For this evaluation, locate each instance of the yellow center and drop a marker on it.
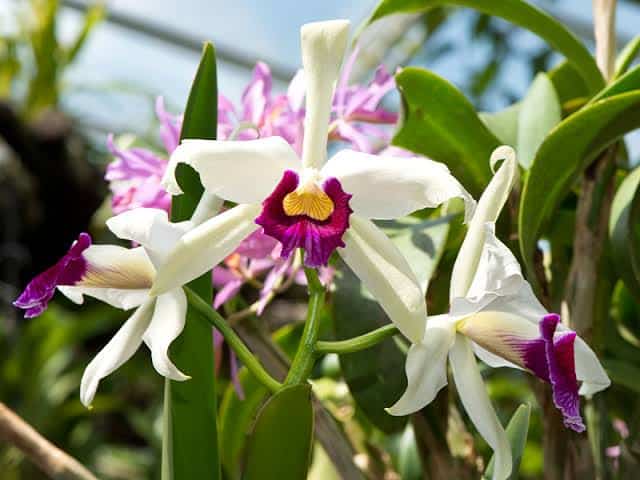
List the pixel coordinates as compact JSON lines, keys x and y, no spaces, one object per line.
{"x":309,"y":200}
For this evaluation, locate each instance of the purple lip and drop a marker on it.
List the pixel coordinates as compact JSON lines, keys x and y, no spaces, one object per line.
{"x":318,"y":238}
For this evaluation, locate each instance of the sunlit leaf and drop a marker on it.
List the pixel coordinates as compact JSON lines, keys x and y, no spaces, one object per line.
{"x":503,"y":124}
{"x":627,"y":56}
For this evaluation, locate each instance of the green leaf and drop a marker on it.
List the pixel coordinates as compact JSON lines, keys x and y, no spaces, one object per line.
{"x":193,"y":403}
{"x":569,"y":85}
{"x":627,"y":82}
{"x":564,"y":155}
{"x":503,"y":124}
{"x":539,"y":113}
{"x":236,"y":419}
{"x":519,"y":13}
{"x":625,"y":217}
{"x":623,"y":373}
{"x":421,"y":242}
{"x":374,"y":375}
{"x":440,"y":123}
{"x":280,"y":444}
{"x":627,"y":56}
{"x":517,"y":431}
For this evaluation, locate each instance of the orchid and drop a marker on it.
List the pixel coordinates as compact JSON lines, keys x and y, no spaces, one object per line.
{"x":495,"y":314}
{"x":309,"y":204}
{"x":122,"y":278}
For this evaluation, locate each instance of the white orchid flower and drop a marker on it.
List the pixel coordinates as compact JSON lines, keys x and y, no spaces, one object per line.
{"x":307,"y":203}
{"x":122,"y":277}
{"x":495,"y":314}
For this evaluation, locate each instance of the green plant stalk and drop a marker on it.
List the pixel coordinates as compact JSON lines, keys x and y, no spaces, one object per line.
{"x":355,"y":344}
{"x":304,"y":359}
{"x":244,"y":354}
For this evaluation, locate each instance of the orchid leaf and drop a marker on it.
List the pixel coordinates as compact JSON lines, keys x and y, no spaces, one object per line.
{"x":503,"y":124}
{"x":627,"y":56}
{"x":540,"y":111}
{"x":569,"y":85}
{"x":440,"y":123}
{"x":519,"y":13}
{"x":564,"y":155}
{"x":623,"y":232}
{"x":192,"y":424}
{"x":282,"y":438}
{"x":627,"y":82}
{"x":236,"y":419}
{"x":517,"y":431}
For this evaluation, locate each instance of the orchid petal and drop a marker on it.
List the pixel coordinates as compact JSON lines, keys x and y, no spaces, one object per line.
{"x":426,"y":367}
{"x":475,"y":399}
{"x":151,"y":228}
{"x":387,"y":275}
{"x":296,"y":91}
{"x":392,"y":187}
{"x":489,"y":208}
{"x":116,"y":297}
{"x":206,"y":245}
{"x":240,"y":171}
{"x":323,"y":45}
{"x":166,"y":324}
{"x":111,"y":266}
{"x":119,"y":349}
{"x":588,"y":368}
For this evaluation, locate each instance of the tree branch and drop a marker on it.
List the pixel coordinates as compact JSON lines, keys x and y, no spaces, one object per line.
{"x":49,"y":458}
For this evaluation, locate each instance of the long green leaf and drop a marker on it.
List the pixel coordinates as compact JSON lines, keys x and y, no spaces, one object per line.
{"x":540,"y":111}
{"x":627,"y":82}
{"x":193,"y":403}
{"x":569,"y":85}
{"x":440,"y":123}
{"x":623,"y":223}
{"x":504,"y":123}
{"x":564,"y":155}
{"x":627,"y":56}
{"x":280,"y":444}
{"x":517,"y":431}
{"x":520,"y":13}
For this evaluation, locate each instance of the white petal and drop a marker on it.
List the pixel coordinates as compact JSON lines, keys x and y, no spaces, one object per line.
{"x":151,"y":228}
{"x":323,"y":45}
{"x":588,"y":369}
{"x":208,"y":206}
{"x":385,"y":187}
{"x":203,"y":247}
{"x":426,"y":367}
{"x":387,"y":275}
{"x":491,"y":359}
{"x":240,"y":171}
{"x":166,"y":324}
{"x":116,"y":297}
{"x":488,"y":209}
{"x":475,"y":399}
{"x":119,"y":349}
{"x":114,"y":267}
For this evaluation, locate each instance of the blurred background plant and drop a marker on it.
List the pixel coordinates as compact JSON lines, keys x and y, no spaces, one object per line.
{"x":72,"y":71}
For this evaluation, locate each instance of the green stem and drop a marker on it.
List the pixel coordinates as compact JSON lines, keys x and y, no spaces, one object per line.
{"x":244,"y":354}
{"x":358,"y":343}
{"x":304,"y":359}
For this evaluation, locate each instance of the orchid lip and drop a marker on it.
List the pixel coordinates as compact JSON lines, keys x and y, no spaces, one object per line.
{"x":307,"y":215}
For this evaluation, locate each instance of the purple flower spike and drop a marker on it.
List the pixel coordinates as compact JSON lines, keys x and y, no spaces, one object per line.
{"x":67,"y":271}
{"x":319,"y":238}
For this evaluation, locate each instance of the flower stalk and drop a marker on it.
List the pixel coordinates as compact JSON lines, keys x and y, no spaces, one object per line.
{"x":304,"y":359}
{"x":356,"y":344}
{"x":244,"y":354}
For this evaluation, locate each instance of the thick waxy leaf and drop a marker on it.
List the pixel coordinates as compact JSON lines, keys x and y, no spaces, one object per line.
{"x":564,"y":155}
{"x":569,"y":85}
{"x":627,"y":56}
{"x":503,"y":124}
{"x":539,"y":113}
{"x":627,"y":82}
{"x":192,"y":422}
{"x":623,"y":231}
{"x":440,"y":123}
{"x":236,"y":419}
{"x":519,"y":13}
{"x":375,"y":376}
{"x":517,"y":431}
{"x":421,"y":243}
{"x":280,"y":443}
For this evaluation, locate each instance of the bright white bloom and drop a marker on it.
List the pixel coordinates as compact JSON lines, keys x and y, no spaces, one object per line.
{"x":122,"y":278}
{"x":495,"y":314}
{"x":309,"y":203}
